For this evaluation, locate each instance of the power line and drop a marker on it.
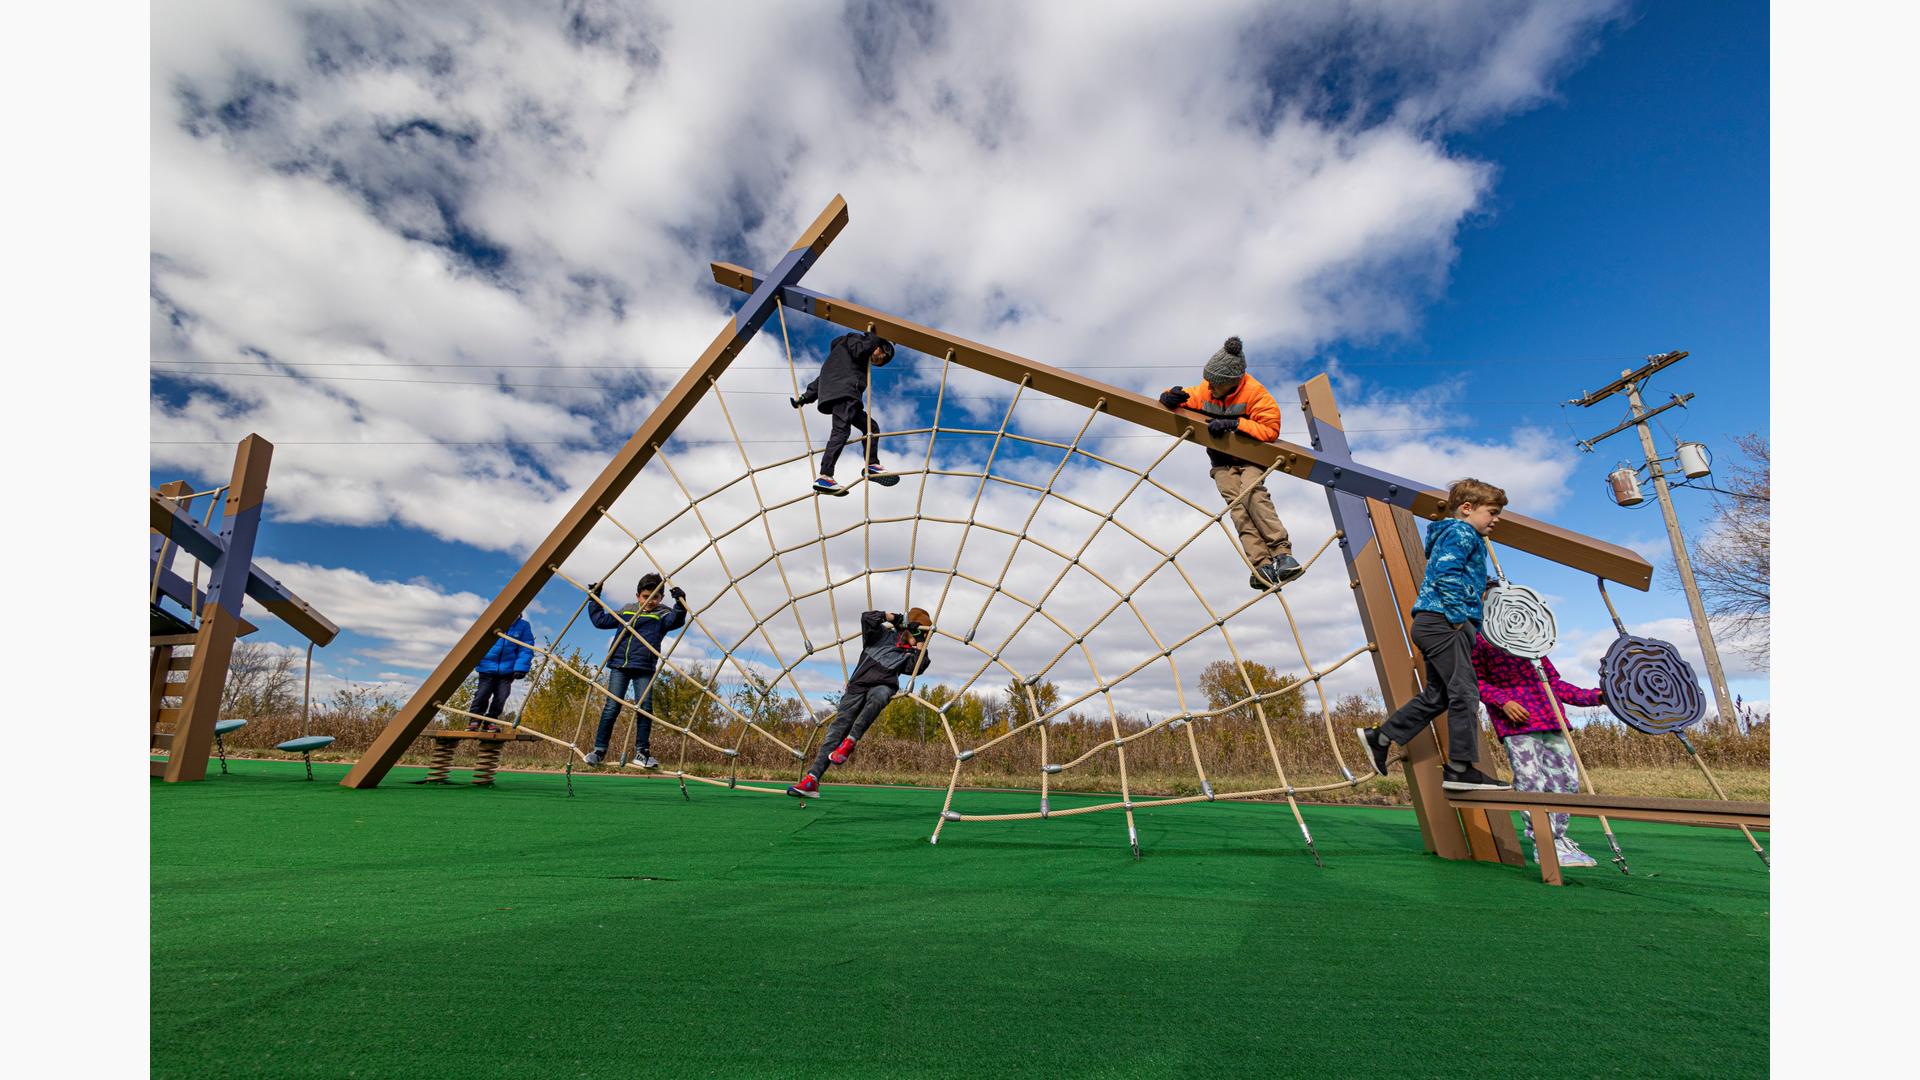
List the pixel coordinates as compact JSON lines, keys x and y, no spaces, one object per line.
{"x":700,"y":442}
{"x":539,"y":365}
{"x":758,"y":393}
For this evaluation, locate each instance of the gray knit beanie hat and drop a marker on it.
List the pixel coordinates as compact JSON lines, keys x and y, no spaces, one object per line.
{"x":1227,"y":365}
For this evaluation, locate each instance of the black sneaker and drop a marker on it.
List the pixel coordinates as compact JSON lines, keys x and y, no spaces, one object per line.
{"x":1471,"y":779}
{"x":1285,"y":568}
{"x":596,"y":757}
{"x":1370,"y":738}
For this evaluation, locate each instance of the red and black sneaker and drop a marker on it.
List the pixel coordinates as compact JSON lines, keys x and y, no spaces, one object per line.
{"x":807,"y":788}
{"x":842,"y":752}
{"x":473,"y":725}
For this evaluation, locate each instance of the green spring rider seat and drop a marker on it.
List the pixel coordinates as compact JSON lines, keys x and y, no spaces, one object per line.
{"x":305,"y":746}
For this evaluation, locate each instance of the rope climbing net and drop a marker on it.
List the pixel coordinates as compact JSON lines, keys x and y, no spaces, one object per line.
{"x":1057,"y":555}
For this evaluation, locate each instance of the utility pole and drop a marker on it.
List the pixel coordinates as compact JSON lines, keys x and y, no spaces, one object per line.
{"x":1630,"y":383}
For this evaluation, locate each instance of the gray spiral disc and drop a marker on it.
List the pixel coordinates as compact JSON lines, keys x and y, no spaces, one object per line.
{"x":1649,"y":687}
{"x":1517,"y":620}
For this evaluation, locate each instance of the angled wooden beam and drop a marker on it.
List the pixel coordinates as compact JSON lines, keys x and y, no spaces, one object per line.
{"x":605,"y":489}
{"x":1393,"y":656}
{"x":174,"y":523}
{"x":181,"y":591}
{"x":1610,"y":561}
{"x":220,"y":618}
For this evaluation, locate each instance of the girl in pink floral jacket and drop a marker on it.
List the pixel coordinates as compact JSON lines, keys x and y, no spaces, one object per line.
{"x":1524,"y":719}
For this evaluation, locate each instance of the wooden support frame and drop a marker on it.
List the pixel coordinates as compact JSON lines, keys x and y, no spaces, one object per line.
{"x":1539,"y":805}
{"x":172,"y":522}
{"x":220,"y":617}
{"x":1563,"y":546}
{"x":228,"y":555}
{"x":572,"y":530}
{"x":1360,"y":494}
{"x":1393,"y":656}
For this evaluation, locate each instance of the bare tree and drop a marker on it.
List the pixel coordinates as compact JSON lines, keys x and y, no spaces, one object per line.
{"x":1731,"y":561}
{"x":260,"y":682}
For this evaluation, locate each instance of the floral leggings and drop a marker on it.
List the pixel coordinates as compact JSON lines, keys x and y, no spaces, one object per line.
{"x":1543,"y":761}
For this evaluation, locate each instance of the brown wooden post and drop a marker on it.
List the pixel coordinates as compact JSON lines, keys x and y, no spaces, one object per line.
{"x":220,"y":615}
{"x":1490,"y":834}
{"x":1549,"y":853}
{"x":605,"y":489}
{"x":1380,"y":616}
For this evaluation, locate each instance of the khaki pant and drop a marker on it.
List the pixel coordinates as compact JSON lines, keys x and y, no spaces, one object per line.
{"x":1261,"y":534}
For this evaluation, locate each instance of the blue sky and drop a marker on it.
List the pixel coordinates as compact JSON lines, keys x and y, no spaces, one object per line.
{"x":1489,"y":214}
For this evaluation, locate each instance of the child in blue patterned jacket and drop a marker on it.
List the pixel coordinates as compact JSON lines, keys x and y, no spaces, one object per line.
{"x":1446,"y":620}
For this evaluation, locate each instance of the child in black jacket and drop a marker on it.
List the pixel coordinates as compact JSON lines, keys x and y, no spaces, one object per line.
{"x":890,"y":646}
{"x":839,"y":388}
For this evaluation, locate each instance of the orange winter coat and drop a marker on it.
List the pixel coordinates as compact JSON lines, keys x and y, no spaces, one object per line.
{"x":1259,"y":415}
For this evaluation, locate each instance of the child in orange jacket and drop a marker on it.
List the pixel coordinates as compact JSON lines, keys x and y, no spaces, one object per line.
{"x":1233,"y":400}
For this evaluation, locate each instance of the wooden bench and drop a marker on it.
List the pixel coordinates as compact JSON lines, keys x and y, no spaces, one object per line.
{"x":486,"y":753}
{"x":1539,"y":804}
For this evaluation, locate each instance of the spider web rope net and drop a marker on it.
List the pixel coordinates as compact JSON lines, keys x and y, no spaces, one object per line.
{"x":1052,"y":555}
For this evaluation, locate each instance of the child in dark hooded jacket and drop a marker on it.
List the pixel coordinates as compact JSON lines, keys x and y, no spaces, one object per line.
{"x":839,"y":389}
{"x":890,"y":646}
{"x":632,"y":660}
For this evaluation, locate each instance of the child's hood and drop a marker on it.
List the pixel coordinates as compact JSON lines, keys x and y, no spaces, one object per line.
{"x":1442,"y":528}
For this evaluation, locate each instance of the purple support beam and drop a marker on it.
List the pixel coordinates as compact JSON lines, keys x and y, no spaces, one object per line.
{"x":177,"y":525}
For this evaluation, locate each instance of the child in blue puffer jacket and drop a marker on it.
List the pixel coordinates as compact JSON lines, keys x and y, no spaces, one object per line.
{"x":1446,"y":620}
{"x":504,"y":662}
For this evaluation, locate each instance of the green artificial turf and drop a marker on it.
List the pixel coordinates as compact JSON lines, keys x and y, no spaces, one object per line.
{"x":306,"y":929}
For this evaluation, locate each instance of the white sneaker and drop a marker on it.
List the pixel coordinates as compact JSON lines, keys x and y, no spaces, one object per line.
{"x":1569,"y":854}
{"x":644,"y":761}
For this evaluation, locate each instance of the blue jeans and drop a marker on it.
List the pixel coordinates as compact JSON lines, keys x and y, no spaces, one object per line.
{"x":618,"y":681}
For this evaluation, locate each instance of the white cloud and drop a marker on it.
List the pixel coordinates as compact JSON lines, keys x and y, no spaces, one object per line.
{"x":417,"y":192}
{"x":416,"y":622}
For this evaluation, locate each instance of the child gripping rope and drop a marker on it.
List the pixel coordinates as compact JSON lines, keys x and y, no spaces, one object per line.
{"x":891,"y":645}
{"x":632,"y":660}
{"x":1233,"y":400}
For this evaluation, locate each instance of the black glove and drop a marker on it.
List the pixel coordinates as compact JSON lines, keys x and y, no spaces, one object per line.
{"x":1173,"y":398}
{"x":678,"y":593}
{"x":594,"y":588}
{"x":1220,"y":425}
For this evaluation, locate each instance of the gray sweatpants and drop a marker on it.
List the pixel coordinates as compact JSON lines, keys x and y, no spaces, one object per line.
{"x":1451,"y":688}
{"x":859,"y":708}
